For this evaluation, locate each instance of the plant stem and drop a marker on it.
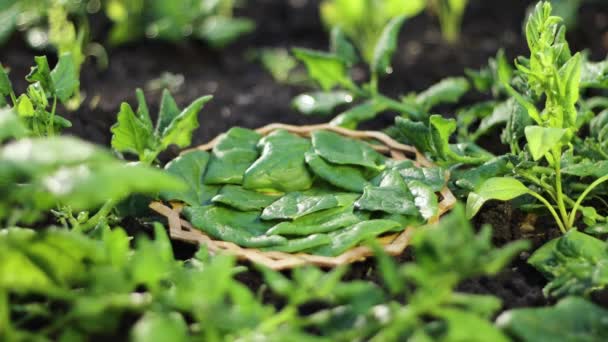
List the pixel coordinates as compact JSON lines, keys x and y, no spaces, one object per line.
{"x":273,"y":322}
{"x":558,"y":186}
{"x":558,"y":220}
{"x":101,"y":213}
{"x":5,"y":321}
{"x":582,"y":197}
{"x":50,"y":128}
{"x":13,"y":98}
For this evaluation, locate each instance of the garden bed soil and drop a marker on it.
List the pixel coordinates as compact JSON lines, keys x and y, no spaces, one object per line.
{"x":245,"y":95}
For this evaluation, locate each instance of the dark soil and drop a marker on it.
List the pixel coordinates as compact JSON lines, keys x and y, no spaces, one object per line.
{"x":245,"y":95}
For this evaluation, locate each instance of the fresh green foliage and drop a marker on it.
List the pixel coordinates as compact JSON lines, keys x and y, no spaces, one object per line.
{"x":364,"y":21}
{"x":37,"y":107}
{"x":554,"y":74}
{"x":450,"y":14}
{"x":331,"y":71}
{"x":575,"y":264}
{"x":135,"y":134}
{"x":292,"y":197}
{"x":571,"y":319}
{"x":72,"y":286}
{"x":234,"y":152}
{"x":210,"y":21}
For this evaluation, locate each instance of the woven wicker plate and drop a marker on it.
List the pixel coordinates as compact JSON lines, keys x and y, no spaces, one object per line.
{"x":394,"y":244}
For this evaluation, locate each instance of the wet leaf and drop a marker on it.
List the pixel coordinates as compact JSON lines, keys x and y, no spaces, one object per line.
{"x":297,"y":204}
{"x":234,"y":152}
{"x":571,"y":319}
{"x":341,"y":150}
{"x":574,"y":264}
{"x":386,"y":46}
{"x":424,"y":198}
{"x":392,"y":196}
{"x":320,"y":103}
{"x":319,"y":222}
{"x":243,"y":228}
{"x":302,"y":244}
{"x":242,"y":199}
{"x":448,"y":90}
{"x":190,"y":167}
{"x":281,"y":167}
{"x":343,"y":176}
{"x":326,"y":69}
{"x":347,"y":238}
{"x":497,"y":188}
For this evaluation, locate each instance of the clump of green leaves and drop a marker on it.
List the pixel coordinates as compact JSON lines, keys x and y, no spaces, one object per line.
{"x":363,"y":21}
{"x":66,"y":175}
{"x":68,"y":285}
{"x":331,"y":72}
{"x":571,"y":319}
{"x":38,"y":105}
{"x":210,"y":21}
{"x":135,"y":133}
{"x":450,"y":14}
{"x":551,"y":73}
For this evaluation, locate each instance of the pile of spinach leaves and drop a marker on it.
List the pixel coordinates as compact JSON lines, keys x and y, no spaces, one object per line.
{"x":282,"y":192}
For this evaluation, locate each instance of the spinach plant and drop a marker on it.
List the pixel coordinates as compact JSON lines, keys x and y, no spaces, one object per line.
{"x":450,"y":14}
{"x":551,"y":73}
{"x":331,"y":71}
{"x":67,"y":176}
{"x":37,"y":107}
{"x":363,"y":21}
{"x":210,"y":21}
{"x":59,"y":284}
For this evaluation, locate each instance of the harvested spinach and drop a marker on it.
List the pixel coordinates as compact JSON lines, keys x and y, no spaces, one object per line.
{"x":281,"y":167}
{"x":292,"y":197}
{"x":234,"y":152}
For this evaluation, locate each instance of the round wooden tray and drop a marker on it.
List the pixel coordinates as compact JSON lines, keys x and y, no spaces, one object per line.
{"x":394,"y":244}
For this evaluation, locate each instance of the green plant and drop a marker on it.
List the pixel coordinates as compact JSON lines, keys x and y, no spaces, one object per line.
{"x":363,"y":21}
{"x":553,"y":73}
{"x":67,"y":176}
{"x":46,"y":87}
{"x":450,"y":14}
{"x":70,"y":286}
{"x":211,"y":21}
{"x":331,"y":72}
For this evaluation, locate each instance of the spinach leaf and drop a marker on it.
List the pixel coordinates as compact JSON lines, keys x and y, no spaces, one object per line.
{"x":190,"y":167}
{"x":243,"y":228}
{"x":386,"y":46}
{"x":571,"y":319}
{"x":320,"y":103}
{"x":391,"y":196}
{"x":302,"y":244}
{"x":326,"y":69}
{"x":318,"y":222}
{"x":343,"y":176}
{"x":574,"y":264}
{"x":341,"y":150}
{"x":347,"y":238}
{"x":499,"y":188}
{"x":296,"y":204}
{"x":424,"y":198}
{"x":242,"y":199}
{"x":134,"y":133}
{"x":281,"y":167}
{"x":234,"y":152}
{"x":448,"y":90}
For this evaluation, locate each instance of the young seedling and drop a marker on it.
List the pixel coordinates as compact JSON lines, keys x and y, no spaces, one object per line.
{"x":554,"y":74}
